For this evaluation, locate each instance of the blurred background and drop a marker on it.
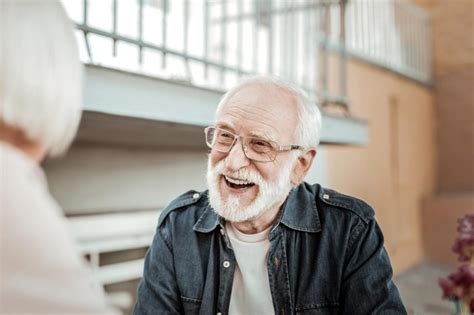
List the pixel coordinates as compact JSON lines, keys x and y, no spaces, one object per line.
{"x":393,"y":78}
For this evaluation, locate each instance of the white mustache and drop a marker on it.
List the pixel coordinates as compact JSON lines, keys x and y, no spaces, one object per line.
{"x":243,"y":174}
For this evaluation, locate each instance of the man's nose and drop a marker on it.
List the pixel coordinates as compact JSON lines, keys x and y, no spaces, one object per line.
{"x":236,"y":158}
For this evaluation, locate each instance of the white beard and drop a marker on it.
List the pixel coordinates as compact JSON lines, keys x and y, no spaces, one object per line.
{"x":269,"y":194}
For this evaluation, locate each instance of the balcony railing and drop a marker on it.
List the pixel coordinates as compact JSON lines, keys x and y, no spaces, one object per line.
{"x":395,"y":34}
{"x":211,"y":43}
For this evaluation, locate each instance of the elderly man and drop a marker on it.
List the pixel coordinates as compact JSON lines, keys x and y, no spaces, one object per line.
{"x":260,"y":240}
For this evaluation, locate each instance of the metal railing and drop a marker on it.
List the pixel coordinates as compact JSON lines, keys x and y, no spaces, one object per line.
{"x":211,"y":43}
{"x":395,"y":34}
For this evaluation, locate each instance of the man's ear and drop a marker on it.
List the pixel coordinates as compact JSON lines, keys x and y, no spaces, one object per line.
{"x":302,"y":166}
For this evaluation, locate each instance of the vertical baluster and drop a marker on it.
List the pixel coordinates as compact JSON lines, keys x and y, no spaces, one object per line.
{"x":386,"y":22}
{"x":114,"y":27}
{"x":86,"y":38}
{"x":393,"y":38}
{"x":293,"y":36}
{"x":361,"y":26}
{"x":185,"y":37}
{"x":315,"y":53}
{"x":223,"y":39}
{"x":370,"y":29}
{"x":307,"y":45}
{"x":140,"y":31}
{"x":286,"y":49}
{"x":164,"y":25}
{"x":256,"y":20}
{"x":94,"y":261}
{"x":270,"y":37}
{"x":375,"y":30}
{"x":343,"y":54}
{"x":239,"y":36}
{"x":324,"y":53}
{"x":206,"y":39}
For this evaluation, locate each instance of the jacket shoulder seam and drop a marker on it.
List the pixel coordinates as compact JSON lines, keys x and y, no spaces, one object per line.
{"x":333,"y":198}
{"x":354,"y":235}
{"x":186,"y":199}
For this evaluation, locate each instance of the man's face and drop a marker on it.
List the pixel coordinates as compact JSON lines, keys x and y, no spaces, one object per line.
{"x":241,"y":189}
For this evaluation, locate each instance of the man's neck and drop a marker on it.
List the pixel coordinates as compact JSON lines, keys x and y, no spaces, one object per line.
{"x":262,"y":222}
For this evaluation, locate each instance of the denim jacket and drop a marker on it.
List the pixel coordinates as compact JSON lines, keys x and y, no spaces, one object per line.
{"x":326,"y":256}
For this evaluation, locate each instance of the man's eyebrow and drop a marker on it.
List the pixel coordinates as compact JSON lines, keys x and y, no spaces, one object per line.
{"x":258,"y":134}
{"x":225,"y":126}
{"x":262,"y":135}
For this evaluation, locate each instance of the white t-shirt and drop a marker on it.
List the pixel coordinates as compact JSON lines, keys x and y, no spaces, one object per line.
{"x":251,"y":288}
{"x":41,"y":270}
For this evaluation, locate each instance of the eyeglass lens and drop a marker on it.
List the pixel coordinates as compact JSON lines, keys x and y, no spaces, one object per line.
{"x":257,"y":149}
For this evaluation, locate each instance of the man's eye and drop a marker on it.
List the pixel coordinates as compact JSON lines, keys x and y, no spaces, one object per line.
{"x":260,"y":143}
{"x":226,"y":135}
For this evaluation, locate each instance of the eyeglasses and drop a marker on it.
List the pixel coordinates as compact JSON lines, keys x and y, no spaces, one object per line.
{"x":256,"y":149}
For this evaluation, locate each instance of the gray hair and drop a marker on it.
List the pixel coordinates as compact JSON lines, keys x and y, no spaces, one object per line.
{"x":40,"y":72}
{"x":307,"y":131}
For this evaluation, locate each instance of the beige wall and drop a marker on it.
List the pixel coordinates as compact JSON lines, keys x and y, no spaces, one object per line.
{"x":453,"y":26}
{"x":453,"y":55}
{"x":396,"y":171}
{"x":453,"y":50}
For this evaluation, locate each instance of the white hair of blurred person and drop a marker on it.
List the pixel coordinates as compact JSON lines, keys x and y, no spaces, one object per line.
{"x":308,"y":130}
{"x":40,"y":71}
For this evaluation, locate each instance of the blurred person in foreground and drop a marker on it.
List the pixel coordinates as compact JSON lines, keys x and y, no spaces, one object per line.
{"x":261,"y":240}
{"x":40,"y":107}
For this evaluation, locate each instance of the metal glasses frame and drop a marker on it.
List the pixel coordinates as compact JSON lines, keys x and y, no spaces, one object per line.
{"x":278,"y":148}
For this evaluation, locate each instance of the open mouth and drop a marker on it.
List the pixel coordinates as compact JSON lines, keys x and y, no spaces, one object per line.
{"x":238,"y":183}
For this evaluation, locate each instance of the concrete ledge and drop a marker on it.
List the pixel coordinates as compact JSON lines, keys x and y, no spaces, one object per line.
{"x":131,"y":109}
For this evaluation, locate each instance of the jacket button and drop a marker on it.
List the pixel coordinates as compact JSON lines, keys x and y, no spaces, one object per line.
{"x":196,"y":196}
{"x":226,"y":264}
{"x":276,"y":260}
{"x":222,"y":232}
{"x":325,"y":196}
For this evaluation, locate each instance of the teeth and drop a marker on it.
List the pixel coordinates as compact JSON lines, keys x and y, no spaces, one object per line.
{"x":237,"y":182}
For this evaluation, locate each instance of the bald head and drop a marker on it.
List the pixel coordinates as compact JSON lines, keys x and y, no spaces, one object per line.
{"x":282,"y":99}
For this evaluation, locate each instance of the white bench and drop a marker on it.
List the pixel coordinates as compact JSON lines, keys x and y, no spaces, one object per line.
{"x":106,"y":233}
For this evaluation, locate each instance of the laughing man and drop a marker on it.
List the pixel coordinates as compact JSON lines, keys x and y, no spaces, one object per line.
{"x":260,"y":240}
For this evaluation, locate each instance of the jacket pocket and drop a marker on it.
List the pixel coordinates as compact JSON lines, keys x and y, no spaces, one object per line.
{"x":323,"y":308}
{"x":190,"y":305}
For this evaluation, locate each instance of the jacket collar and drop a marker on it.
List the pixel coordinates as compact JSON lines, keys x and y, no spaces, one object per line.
{"x":299,"y":213}
{"x":208,"y":220}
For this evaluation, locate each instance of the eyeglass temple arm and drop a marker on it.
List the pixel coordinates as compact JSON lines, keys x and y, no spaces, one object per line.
{"x":290,"y":147}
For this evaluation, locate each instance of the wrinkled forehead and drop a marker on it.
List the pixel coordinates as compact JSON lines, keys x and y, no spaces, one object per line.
{"x":261,"y":93}
{"x":260,"y":108}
